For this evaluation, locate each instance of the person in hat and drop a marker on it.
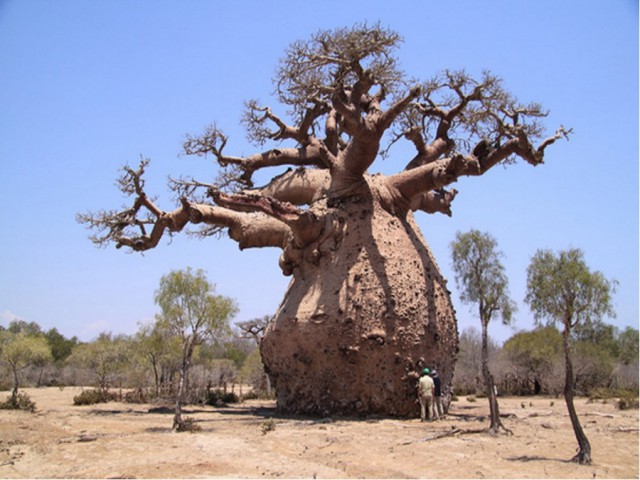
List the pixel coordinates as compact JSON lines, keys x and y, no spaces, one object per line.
{"x":425,"y":394}
{"x":437,"y":395}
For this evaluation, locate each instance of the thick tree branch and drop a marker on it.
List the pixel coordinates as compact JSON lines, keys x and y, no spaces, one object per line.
{"x":213,"y":141}
{"x":304,"y":225}
{"x":435,"y":201}
{"x":257,"y":117}
{"x":142,"y":226}
{"x":301,"y":186}
{"x":433,"y":176}
{"x":250,"y":230}
{"x":389,"y":116}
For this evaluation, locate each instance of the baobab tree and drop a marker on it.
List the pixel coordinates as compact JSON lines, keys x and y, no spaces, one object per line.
{"x":367,"y":306}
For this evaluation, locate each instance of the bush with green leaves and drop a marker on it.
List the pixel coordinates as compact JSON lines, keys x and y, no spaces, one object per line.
{"x":218,"y":398}
{"x":91,"y":397}
{"x":628,"y":401}
{"x":188,"y":424}
{"x":20,"y":401}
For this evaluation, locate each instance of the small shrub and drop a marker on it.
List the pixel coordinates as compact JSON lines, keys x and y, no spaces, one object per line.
{"x":627,"y":402}
{"x":454,"y":398}
{"x":599,"y":394}
{"x":217,"y":398}
{"x":268,"y":425}
{"x":91,"y":397}
{"x":258,"y":395}
{"x":188,"y":424}
{"x":21,"y":401}
{"x":471,"y":399}
{"x":136,"y":396}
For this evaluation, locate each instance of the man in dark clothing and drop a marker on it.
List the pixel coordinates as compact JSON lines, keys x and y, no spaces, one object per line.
{"x":437,"y":396}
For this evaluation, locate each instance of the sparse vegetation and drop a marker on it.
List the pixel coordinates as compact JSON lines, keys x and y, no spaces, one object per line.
{"x":268,"y":425}
{"x":627,"y":402}
{"x":19,"y":401}
{"x":188,"y":424}
{"x":94,"y":396}
{"x":218,"y":398}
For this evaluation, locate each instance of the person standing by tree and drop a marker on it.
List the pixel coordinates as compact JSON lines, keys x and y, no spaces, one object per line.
{"x":191,"y":311}
{"x":481,"y":279}
{"x":437,"y":395}
{"x":425,"y":393}
{"x":561,"y":288}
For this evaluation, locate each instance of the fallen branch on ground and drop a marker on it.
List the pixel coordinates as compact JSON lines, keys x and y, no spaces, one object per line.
{"x":448,"y":433}
{"x":596,"y":414}
{"x":627,"y":429}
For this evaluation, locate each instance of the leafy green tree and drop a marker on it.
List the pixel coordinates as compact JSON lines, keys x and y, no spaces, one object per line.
{"x":534,"y":355}
{"x":21,"y":350}
{"x":252,"y":372}
{"x":481,"y":279}
{"x":105,"y":357}
{"x":159,"y":347}
{"x":28,"y":328}
{"x":593,"y":365}
{"x":562,"y":289}
{"x":191,"y":311}
{"x":598,"y":333}
{"x":61,"y":347}
{"x":628,"y":346}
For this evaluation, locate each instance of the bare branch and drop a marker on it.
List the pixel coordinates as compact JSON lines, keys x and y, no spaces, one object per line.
{"x":213,"y":141}
{"x":387,"y":118}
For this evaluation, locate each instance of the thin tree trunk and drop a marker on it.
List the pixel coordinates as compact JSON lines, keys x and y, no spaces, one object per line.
{"x":268,"y":382}
{"x":583,"y":456}
{"x":488,"y":382}
{"x":178,"y":423}
{"x":494,"y":410}
{"x":156,"y":376}
{"x":16,"y":384}
{"x":177,"y":417}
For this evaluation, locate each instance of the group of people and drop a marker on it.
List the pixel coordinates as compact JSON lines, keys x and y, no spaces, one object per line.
{"x":430,"y":394}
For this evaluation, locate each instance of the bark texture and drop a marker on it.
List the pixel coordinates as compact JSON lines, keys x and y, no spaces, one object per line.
{"x":366,"y":310}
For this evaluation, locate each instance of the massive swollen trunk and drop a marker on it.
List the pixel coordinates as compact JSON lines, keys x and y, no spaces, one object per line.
{"x":366,"y":310}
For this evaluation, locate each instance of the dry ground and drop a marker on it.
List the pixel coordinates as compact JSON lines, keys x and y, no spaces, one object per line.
{"x":118,"y":440}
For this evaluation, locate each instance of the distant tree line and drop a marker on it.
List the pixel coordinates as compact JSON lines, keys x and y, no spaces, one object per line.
{"x":528,"y":363}
{"x":147,"y":362}
{"x":150,"y":364}
{"x":532,"y":362}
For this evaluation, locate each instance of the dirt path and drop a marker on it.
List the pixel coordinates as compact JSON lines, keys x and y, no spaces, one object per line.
{"x":118,"y":440}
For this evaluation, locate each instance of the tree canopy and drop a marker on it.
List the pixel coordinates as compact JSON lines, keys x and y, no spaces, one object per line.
{"x":347,"y":102}
{"x":480,"y":275}
{"x":561,"y":288}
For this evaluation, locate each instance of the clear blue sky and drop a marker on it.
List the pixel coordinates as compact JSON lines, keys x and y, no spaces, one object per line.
{"x":87,"y":86}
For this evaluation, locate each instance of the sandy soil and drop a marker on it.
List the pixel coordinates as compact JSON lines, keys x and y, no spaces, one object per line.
{"x":118,"y":440}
